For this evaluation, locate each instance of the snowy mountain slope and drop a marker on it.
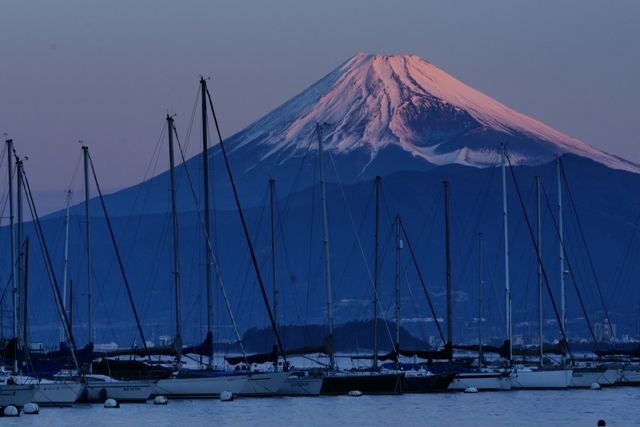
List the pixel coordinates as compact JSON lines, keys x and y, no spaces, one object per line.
{"x":374,"y":101}
{"x":385,"y":114}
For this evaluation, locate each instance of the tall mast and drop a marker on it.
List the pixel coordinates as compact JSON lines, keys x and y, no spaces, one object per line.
{"x":480,"y":302}
{"x":539,"y":267}
{"x":561,"y":250}
{"x":22,"y":291}
{"x":16,"y":335}
{"x":507,"y":292}
{"x":398,"y":248}
{"x":207,"y":221}
{"x":376,"y":281}
{"x":327,"y":263}
{"x":272,"y":185}
{"x":448,"y":263}
{"x":89,"y":266}
{"x":176,"y":256}
{"x":66,"y":263}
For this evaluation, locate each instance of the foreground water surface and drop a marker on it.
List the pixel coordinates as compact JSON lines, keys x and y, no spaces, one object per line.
{"x":618,"y":406}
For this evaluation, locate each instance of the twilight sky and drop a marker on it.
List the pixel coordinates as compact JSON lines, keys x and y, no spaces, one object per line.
{"x":108,"y":72}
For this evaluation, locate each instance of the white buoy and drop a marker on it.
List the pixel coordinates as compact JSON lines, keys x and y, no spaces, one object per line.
{"x":111,"y":403}
{"x":595,"y":386}
{"x":226,"y":396}
{"x":355,"y":393}
{"x":11,"y":411}
{"x":160,"y":400}
{"x":31,"y":408}
{"x":470,"y":390}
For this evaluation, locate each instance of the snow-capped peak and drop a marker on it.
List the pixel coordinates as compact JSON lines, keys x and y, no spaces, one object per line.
{"x":372,"y":101}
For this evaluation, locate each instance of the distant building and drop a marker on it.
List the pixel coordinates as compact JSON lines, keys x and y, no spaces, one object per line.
{"x":605,"y":332}
{"x":106,"y":347}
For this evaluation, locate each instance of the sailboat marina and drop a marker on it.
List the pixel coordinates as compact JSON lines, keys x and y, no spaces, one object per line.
{"x":417,"y":337}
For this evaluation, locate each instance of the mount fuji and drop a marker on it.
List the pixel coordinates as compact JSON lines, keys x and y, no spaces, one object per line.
{"x":381,"y":115}
{"x":373,"y":103}
{"x":409,"y":122}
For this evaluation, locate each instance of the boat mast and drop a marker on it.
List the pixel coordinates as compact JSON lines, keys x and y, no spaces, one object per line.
{"x":207,"y":221}
{"x":448,"y":265}
{"x":272,"y":189}
{"x":376,"y":282}
{"x":539,"y":268}
{"x":480,"y":302}
{"x":66,"y":263}
{"x":561,"y":250}
{"x":13,"y":252}
{"x":507,"y":292}
{"x":22,"y":290}
{"x":327,"y":263}
{"x":85,"y":150}
{"x":176,"y":258}
{"x":398,"y":248}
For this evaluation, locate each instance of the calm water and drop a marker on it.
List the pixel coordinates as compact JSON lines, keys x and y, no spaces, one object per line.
{"x":617,"y":406}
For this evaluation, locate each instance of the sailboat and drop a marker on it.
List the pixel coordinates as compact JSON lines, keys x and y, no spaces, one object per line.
{"x":583,"y":376}
{"x":260,"y":383}
{"x":339,"y":381}
{"x":188,"y":384}
{"x":99,"y":387}
{"x":480,"y":379}
{"x":525,"y":377}
{"x":463,"y":377}
{"x":45,"y":391}
{"x":299,"y":383}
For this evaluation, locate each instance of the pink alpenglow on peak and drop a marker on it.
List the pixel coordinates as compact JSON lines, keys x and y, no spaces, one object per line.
{"x":374,"y":102}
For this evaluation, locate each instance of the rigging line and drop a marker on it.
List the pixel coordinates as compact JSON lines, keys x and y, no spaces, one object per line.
{"x":413,"y":301}
{"x":49,"y":267}
{"x":208,"y":240}
{"x":162,"y":232}
{"x":311,"y":233}
{"x":535,"y":245}
{"x":287,"y":257}
{"x":244,"y":226}
{"x":390,"y":235}
{"x":290,"y":197}
{"x":586,"y":248}
{"x":628,"y":249}
{"x":344,"y":198}
{"x":424,"y":287}
{"x":432,"y":226}
{"x":115,"y":245}
{"x":575,"y":283}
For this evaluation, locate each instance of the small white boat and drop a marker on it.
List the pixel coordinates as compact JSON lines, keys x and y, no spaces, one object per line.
{"x":13,"y":393}
{"x":528,"y":378}
{"x":264,"y":384}
{"x":54,"y":393}
{"x":302,"y":383}
{"x":482,"y":381}
{"x":186,"y":385}
{"x":585,"y":377}
{"x":99,"y":388}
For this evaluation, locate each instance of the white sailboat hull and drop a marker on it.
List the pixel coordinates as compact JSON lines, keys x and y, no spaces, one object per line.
{"x":483,"y":381}
{"x":56,"y":393}
{"x":264,"y":384}
{"x":121,"y":391}
{"x":584,"y":378}
{"x":541,"y":379}
{"x":629,"y":375}
{"x":17,"y":394}
{"x":200,"y":387}
{"x":301,"y":385}
{"x":53,"y":393}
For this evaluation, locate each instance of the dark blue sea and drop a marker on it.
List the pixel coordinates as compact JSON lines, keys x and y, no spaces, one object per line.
{"x":617,"y":406}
